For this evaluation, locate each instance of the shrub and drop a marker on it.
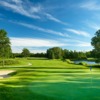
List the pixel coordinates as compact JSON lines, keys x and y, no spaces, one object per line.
{"x":9,"y":62}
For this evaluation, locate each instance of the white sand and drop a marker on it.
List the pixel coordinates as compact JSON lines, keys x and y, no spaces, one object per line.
{"x":5,"y":73}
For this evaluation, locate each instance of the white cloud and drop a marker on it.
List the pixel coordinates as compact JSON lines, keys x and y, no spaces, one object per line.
{"x":29,"y":10}
{"x":29,"y":42}
{"x":36,"y":9}
{"x":17,"y":49}
{"x":77,"y":43}
{"x":38,"y":51}
{"x":78,"y":32}
{"x":90,"y":5}
{"x":21,"y":9}
{"x":33,"y":44}
{"x":18,"y":44}
{"x":17,"y":1}
{"x":41,"y":29}
{"x":50,"y":17}
{"x":94,"y":26}
{"x":84,"y":44}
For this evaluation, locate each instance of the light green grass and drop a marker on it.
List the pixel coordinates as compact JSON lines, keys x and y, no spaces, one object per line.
{"x":51,"y":80}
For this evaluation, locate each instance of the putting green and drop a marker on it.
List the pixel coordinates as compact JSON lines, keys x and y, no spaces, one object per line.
{"x":69,"y":86}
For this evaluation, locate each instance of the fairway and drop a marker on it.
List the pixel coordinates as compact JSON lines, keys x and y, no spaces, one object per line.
{"x":51,"y":80}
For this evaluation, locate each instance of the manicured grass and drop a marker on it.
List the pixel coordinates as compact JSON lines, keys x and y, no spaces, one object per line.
{"x":51,"y":80}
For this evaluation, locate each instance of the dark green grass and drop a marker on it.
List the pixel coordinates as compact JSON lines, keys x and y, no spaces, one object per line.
{"x":45,"y":81}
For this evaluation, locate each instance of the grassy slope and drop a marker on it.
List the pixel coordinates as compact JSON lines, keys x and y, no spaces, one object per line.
{"x":51,"y":80}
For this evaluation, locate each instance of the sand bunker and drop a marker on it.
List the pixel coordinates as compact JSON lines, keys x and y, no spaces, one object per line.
{"x":5,"y":73}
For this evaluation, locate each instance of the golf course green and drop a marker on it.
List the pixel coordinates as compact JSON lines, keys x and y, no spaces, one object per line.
{"x":47,"y":79}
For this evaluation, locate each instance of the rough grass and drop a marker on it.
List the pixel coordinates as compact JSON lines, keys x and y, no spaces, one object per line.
{"x":51,"y":80}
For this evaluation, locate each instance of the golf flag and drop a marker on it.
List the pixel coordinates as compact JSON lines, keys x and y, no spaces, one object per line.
{"x":90,"y":68}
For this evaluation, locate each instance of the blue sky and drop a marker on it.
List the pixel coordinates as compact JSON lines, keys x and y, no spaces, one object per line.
{"x":41,"y":24}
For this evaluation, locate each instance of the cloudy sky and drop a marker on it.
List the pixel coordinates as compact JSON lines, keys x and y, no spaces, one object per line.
{"x":41,"y":24}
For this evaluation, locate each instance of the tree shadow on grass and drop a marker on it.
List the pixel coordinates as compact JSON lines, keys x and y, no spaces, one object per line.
{"x":21,"y":93}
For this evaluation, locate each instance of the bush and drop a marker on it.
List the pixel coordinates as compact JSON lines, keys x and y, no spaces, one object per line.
{"x":9,"y":62}
{"x":97,"y":60}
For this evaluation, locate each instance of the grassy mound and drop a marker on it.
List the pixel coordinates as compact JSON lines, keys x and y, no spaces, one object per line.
{"x":83,"y":63}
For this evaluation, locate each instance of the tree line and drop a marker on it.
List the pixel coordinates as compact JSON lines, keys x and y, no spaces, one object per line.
{"x":26,"y":53}
{"x":59,"y":53}
{"x":56,"y":53}
{"x":52,"y":53}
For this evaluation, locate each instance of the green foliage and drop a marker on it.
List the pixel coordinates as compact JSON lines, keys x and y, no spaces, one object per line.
{"x":9,"y":62}
{"x":37,"y":58}
{"x":5,"y":49}
{"x":38,"y":55}
{"x":68,"y":54}
{"x":97,"y":60}
{"x":91,"y":59}
{"x":58,"y":53}
{"x":25,"y":52}
{"x":14,"y":55}
{"x":54,"y":53}
{"x":95,"y":42}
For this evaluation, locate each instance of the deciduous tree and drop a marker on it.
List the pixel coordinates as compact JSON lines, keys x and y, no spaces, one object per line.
{"x":96,"y":44}
{"x":25,"y":52}
{"x":5,"y":48}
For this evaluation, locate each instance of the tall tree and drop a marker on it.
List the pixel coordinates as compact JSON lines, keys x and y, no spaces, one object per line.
{"x":25,"y":52}
{"x":95,"y":42}
{"x":5,"y":48}
{"x":54,"y":53}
